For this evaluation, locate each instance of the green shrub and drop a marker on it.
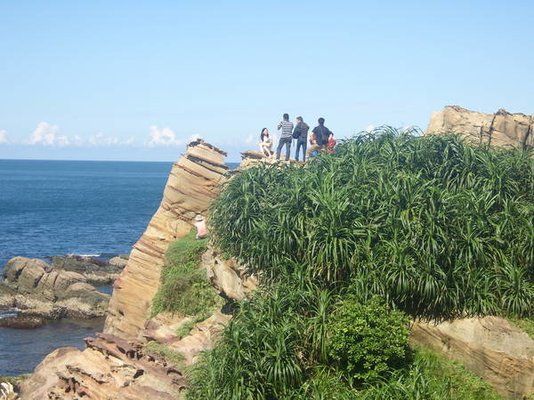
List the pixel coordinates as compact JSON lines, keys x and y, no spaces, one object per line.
{"x":368,"y":340}
{"x":430,"y":377}
{"x":267,"y":349}
{"x":184,"y":287}
{"x":435,"y":226}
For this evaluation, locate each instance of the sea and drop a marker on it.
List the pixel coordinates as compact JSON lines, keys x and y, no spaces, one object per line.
{"x":52,"y":208}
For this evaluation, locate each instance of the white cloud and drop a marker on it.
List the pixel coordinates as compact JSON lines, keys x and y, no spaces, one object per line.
{"x":102,"y":140}
{"x":48,"y":135}
{"x":77,"y":141}
{"x":249,"y":139}
{"x":163,"y":137}
{"x":3,"y":137}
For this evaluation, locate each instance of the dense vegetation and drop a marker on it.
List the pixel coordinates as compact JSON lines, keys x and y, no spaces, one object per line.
{"x":346,"y":244}
{"x":434,"y":226}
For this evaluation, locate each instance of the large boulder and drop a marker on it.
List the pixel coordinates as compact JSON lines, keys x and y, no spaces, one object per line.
{"x":499,"y":129}
{"x":228,"y":276}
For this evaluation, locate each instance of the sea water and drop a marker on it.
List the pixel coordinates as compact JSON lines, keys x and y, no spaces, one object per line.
{"x":69,"y":207}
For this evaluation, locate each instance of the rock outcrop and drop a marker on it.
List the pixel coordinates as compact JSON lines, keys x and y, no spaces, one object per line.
{"x":230,"y":278}
{"x":116,"y":365}
{"x":500,"y":129}
{"x":193,"y":183}
{"x":36,"y":288}
{"x":496,"y":351}
{"x":110,"y":368}
{"x":96,"y":270}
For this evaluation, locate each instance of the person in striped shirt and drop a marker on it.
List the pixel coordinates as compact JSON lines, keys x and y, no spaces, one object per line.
{"x":286,"y":138}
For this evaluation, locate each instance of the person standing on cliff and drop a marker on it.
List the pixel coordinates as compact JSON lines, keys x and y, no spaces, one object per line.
{"x":202,"y":229}
{"x":321,"y":134}
{"x":302,"y":129}
{"x":286,"y":138}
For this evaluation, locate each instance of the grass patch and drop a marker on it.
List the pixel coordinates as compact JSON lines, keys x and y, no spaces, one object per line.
{"x":186,"y":327}
{"x":525,"y":324}
{"x":431,"y":377}
{"x":184,"y":287}
{"x":174,"y":357}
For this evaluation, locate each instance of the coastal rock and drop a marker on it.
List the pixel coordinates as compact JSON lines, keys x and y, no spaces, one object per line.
{"x":7,"y":391}
{"x":499,"y":129}
{"x":21,"y":322}
{"x":115,"y":365}
{"x":202,"y":336}
{"x":94,"y":269}
{"x":193,"y":183}
{"x":110,"y":368}
{"x":37,"y":289}
{"x":228,"y":276}
{"x":498,"y":352}
{"x":118,"y":261}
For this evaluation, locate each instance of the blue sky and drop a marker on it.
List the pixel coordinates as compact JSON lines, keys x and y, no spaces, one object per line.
{"x":132,"y":80}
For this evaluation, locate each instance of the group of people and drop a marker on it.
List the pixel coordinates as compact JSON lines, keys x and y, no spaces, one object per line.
{"x":321,"y":139}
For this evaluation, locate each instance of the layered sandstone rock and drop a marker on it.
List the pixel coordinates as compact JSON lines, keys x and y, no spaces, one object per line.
{"x":116,"y":365}
{"x":193,"y":183}
{"x":110,"y":368}
{"x":33,"y":286}
{"x":500,"y":129}
{"x":496,"y":351}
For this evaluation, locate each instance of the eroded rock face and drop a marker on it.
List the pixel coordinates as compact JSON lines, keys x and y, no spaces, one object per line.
{"x":193,"y":183}
{"x":110,"y":368}
{"x":34,"y":287}
{"x":500,"y":129}
{"x":228,"y":276}
{"x":116,"y":364}
{"x":490,"y":347}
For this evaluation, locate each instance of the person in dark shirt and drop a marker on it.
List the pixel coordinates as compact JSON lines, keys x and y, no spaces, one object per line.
{"x":302,"y":139}
{"x":321,"y":135}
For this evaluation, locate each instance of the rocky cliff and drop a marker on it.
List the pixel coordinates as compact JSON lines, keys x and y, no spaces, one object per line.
{"x":499,"y":129}
{"x":116,"y":365}
{"x":193,"y":183}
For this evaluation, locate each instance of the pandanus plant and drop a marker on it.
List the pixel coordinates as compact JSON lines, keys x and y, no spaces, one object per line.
{"x":438,"y":227}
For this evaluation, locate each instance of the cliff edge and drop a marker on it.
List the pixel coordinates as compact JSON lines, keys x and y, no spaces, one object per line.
{"x":193,"y":183}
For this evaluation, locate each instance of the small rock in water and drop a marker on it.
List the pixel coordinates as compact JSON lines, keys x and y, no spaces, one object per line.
{"x":22,"y":322}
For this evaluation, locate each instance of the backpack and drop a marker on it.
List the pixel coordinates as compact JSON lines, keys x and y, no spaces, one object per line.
{"x":296,"y":132}
{"x":324,"y":133}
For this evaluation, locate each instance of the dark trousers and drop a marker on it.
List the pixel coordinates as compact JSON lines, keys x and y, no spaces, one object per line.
{"x":301,"y":143}
{"x":287,"y":141}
